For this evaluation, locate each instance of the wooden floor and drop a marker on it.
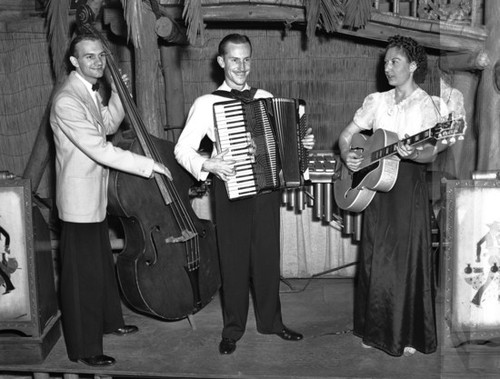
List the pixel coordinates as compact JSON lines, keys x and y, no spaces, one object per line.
{"x":320,"y":308}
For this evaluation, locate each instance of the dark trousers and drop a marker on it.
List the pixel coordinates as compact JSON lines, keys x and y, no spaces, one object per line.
{"x":248,"y":236}
{"x":90,"y":301}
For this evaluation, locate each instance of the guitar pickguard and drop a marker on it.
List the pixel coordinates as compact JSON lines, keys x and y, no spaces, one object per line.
{"x":359,"y":176}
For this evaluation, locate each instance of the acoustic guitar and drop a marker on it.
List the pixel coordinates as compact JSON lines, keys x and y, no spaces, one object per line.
{"x":378,"y":171}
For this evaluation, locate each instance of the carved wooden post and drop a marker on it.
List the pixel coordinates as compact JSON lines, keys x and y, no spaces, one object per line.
{"x":460,"y":159}
{"x":174,"y":35}
{"x":146,"y":69}
{"x":488,"y":99}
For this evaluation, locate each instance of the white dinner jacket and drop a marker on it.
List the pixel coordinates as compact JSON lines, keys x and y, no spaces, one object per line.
{"x":83,"y":155}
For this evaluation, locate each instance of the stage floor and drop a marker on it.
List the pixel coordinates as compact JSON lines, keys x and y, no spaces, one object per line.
{"x":319,"y":308}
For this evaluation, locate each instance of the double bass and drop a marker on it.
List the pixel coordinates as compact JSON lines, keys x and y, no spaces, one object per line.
{"x":169,"y":267}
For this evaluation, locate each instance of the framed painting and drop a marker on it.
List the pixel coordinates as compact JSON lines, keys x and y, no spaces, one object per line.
{"x":16,"y":248}
{"x":470,"y":241}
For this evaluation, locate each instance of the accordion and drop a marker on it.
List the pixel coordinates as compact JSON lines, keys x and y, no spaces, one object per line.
{"x":273,"y":128}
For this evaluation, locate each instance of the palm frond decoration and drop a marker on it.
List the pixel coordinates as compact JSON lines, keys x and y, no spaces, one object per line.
{"x":58,"y":34}
{"x":325,"y":14}
{"x":331,"y":15}
{"x":193,"y":17}
{"x":132,"y":12}
{"x":357,"y":13}
{"x":312,"y":15}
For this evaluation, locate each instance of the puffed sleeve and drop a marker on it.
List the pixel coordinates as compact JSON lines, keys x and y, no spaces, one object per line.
{"x":365,"y":116}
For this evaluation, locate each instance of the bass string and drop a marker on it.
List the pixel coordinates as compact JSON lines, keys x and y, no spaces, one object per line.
{"x":181,"y":215}
{"x":180,"y":212}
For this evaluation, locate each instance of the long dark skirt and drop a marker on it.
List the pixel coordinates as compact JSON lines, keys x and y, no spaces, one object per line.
{"x":394,"y":299}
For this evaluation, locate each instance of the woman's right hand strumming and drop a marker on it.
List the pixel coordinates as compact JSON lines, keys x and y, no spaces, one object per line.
{"x":353,"y":160}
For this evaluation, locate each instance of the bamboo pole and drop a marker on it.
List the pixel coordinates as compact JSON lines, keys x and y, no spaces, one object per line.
{"x":414,"y":7}
{"x":395,"y":5}
{"x":473,"y":15}
{"x":488,"y":98}
{"x":174,"y":90}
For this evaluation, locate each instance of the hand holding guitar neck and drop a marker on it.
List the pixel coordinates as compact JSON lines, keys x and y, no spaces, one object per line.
{"x":372,"y":165}
{"x":406,"y":150}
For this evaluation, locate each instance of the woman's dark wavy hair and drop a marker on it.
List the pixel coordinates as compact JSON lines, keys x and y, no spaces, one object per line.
{"x":414,"y":52}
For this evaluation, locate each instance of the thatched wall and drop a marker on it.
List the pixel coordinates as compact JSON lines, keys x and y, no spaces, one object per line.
{"x":26,"y":84}
{"x":332,"y":74}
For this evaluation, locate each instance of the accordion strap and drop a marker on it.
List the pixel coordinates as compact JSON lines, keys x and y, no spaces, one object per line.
{"x":244,"y":96}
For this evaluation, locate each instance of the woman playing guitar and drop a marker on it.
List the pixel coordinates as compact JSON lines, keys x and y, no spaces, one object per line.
{"x":394,"y":300}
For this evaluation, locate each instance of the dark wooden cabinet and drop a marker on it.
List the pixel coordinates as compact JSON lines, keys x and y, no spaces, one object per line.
{"x":29,"y":314}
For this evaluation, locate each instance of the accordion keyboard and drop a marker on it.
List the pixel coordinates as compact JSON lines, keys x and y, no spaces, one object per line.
{"x":239,"y":136}
{"x":263,"y":137}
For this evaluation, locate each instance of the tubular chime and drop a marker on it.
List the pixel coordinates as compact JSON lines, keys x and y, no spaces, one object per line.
{"x":324,"y":168}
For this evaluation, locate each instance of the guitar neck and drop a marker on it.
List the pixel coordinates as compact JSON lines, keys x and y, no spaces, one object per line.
{"x":391,"y":149}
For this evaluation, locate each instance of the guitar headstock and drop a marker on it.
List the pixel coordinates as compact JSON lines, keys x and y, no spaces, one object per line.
{"x":450,"y":130}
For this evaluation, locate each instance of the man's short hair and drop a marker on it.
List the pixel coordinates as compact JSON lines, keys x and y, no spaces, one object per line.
{"x":233,"y":38}
{"x":79,"y":38}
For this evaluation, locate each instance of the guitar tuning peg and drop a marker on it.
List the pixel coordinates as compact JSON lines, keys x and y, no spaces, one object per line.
{"x":453,"y":140}
{"x":461,"y":138}
{"x":444,"y":142}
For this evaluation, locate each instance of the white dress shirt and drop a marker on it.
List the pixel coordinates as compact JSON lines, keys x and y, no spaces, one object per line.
{"x":200,"y":123}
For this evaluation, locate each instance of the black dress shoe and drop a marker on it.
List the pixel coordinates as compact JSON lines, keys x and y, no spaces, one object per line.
{"x":98,"y":360}
{"x":126,"y":329}
{"x":289,"y":335}
{"x":227,"y":346}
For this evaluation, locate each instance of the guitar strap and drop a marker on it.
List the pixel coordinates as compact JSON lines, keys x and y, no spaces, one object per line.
{"x":438,"y":112}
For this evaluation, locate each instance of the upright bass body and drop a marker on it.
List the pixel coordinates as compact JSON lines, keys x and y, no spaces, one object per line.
{"x":163,"y":271}
{"x":169,"y":266}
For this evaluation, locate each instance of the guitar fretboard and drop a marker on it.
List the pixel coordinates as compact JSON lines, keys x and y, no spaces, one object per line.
{"x":392,"y":149}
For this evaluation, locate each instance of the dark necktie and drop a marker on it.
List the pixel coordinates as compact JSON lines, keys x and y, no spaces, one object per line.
{"x":242,"y":95}
{"x":95,"y":87}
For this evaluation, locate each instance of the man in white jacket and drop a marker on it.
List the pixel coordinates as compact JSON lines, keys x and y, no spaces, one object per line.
{"x":90,"y":302}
